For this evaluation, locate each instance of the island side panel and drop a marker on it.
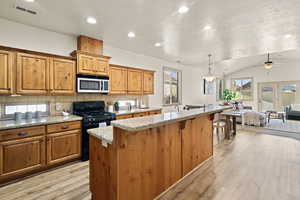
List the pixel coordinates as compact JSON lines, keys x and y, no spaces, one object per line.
{"x":197,"y":142}
{"x":103,"y":170}
{"x":149,"y":161}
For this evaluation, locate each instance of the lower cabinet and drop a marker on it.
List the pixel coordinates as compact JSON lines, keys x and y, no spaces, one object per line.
{"x":24,"y":151}
{"x":63,"y":146}
{"x":22,"y":155}
{"x":142,"y":114}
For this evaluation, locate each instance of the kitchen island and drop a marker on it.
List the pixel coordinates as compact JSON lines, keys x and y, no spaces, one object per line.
{"x":139,"y":158}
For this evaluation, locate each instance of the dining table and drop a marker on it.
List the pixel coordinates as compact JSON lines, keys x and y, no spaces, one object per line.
{"x":230,"y":121}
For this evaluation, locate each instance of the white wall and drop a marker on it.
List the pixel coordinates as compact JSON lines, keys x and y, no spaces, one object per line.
{"x":285,"y":72}
{"x":26,"y":37}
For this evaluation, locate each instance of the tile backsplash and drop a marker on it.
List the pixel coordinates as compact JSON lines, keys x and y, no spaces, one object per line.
{"x":58,"y":103}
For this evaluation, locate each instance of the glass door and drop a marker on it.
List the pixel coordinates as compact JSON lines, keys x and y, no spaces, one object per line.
{"x":267,"y":97}
{"x":287,"y":94}
{"x":277,"y":95}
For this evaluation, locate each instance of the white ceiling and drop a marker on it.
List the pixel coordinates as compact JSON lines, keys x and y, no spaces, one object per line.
{"x":239,"y":28}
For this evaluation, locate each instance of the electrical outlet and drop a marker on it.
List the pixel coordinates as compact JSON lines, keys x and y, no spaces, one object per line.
{"x":58,"y":107}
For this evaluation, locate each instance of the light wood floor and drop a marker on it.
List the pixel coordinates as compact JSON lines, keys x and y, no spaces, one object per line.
{"x":252,"y":167}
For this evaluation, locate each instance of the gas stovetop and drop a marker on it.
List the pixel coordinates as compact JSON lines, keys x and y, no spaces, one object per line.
{"x":101,"y":115}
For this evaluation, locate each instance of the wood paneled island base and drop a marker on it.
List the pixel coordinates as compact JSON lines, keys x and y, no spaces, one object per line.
{"x":141,"y":165}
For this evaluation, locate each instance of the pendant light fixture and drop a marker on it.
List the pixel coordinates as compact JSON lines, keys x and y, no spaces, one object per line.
{"x":268,"y":64}
{"x":209,"y":77}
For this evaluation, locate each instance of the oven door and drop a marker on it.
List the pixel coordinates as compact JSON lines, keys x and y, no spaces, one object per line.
{"x":88,"y":85}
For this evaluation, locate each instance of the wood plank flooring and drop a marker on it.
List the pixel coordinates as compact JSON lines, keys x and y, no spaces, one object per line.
{"x":252,"y":167}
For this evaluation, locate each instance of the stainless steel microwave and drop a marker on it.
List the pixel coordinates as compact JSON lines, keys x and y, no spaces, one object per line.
{"x":91,"y":84}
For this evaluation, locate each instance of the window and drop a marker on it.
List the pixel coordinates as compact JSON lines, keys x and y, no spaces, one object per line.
{"x":123,"y":104}
{"x":171,"y":86}
{"x":219,"y":89}
{"x":10,"y":109}
{"x":243,"y":87}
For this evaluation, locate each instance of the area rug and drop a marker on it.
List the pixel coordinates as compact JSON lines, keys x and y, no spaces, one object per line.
{"x":289,"y":126}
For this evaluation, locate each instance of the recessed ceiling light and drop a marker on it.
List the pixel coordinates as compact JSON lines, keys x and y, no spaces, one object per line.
{"x":91,"y":20}
{"x":157,"y":44}
{"x":183,"y":9}
{"x":288,"y":36}
{"x":207,"y":27}
{"x":29,"y":1}
{"x":131,"y":34}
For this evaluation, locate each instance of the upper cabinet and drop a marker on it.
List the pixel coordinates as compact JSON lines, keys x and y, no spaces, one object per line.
{"x":32,"y":74}
{"x":118,"y":79}
{"x":90,"y":64}
{"x":148,"y":82}
{"x":125,"y":80}
{"x":135,"y":81}
{"x":62,"y":76}
{"x":6,"y":63}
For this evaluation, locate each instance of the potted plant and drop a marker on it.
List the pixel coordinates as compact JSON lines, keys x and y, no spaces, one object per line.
{"x":228,"y":96}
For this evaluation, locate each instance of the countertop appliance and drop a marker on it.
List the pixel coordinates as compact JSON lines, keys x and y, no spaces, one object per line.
{"x":94,"y":115}
{"x":92,"y":84}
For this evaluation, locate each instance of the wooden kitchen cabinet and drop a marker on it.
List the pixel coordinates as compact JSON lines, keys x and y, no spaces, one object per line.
{"x":118,"y":117}
{"x":148,"y":82}
{"x":118,"y":79}
{"x":6,"y":64}
{"x":32,"y":74}
{"x":62,"y":76}
{"x":20,"y":156}
{"x":196,"y":142}
{"x":92,"y":64}
{"x":155,"y":112}
{"x":63,"y":146}
{"x":135,"y":81}
{"x":142,"y":114}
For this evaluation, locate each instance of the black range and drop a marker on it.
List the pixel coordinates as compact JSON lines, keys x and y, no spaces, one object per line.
{"x":94,"y":115}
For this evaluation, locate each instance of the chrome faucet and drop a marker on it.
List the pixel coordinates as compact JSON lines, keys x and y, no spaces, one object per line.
{"x":177,"y":108}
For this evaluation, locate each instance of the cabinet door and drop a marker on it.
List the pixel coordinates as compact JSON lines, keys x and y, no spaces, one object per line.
{"x":143,"y":114}
{"x":85,"y":64}
{"x":118,"y":80}
{"x":32,"y":74}
{"x":148,"y":82}
{"x":118,"y":117}
{"x":6,"y":62}
{"x":135,"y":81}
{"x":21,"y":156}
{"x":63,"y":146}
{"x":197,"y":143}
{"x":62,"y":80}
{"x":101,"y":66}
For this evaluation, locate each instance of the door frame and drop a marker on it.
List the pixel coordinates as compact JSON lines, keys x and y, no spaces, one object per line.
{"x":259,"y":97}
{"x":277,"y":85}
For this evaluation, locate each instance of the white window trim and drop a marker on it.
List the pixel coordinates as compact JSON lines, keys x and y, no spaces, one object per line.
{"x":252,"y":87}
{"x":179,"y":86}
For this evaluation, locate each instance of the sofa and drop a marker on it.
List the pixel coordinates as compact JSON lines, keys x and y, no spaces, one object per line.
{"x":292,"y":112}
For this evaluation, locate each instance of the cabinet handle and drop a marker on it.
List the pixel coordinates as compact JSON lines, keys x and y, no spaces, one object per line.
{"x":23,"y":133}
{"x":64,"y":127}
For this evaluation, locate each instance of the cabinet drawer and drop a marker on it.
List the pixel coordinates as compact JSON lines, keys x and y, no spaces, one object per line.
{"x":66,"y":126}
{"x":22,"y":133}
{"x":155,"y":112}
{"x":124,"y":116}
{"x":140,"y":114}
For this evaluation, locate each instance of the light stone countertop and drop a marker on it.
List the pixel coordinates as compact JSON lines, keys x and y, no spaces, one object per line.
{"x":103,"y":133}
{"x":142,"y":123}
{"x":11,"y":124}
{"x":137,"y":110}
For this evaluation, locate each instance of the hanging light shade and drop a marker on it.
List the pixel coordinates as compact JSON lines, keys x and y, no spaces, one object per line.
{"x":268,"y":64}
{"x":209,"y":77}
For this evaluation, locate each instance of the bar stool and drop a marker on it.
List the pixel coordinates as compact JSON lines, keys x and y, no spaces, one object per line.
{"x":219,"y":125}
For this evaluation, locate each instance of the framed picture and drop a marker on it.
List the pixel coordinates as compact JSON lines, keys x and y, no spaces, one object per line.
{"x":208,"y":87}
